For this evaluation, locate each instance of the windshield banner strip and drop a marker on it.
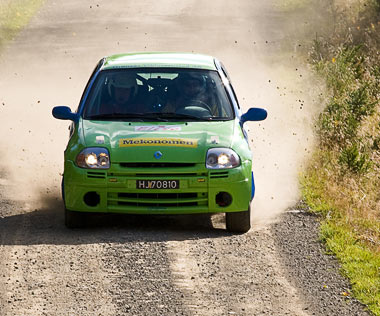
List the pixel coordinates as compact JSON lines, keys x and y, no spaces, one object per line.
{"x":157,"y":128}
{"x":175,"y":142}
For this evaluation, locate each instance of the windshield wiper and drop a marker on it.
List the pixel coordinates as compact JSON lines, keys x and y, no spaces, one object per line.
{"x":196,"y":118}
{"x":172,"y":115}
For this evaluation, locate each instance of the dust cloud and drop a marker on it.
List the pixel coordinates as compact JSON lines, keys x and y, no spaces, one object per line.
{"x":32,"y":152}
{"x":282,"y":144}
{"x":273,"y":73}
{"x":50,"y":62}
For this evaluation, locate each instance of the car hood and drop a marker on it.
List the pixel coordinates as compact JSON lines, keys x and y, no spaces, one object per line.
{"x":140,"y":141}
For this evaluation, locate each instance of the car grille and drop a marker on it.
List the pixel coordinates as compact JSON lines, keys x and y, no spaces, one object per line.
{"x":193,"y":195}
{"x":156,"y":165}
{"x":166,"y":200}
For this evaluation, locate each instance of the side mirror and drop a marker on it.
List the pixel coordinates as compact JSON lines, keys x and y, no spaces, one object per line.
{"x":253,"y":114}
{"x":64,"y":113}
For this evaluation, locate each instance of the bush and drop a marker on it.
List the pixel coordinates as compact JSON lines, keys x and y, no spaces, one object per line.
{"x":342,"y":182}
{"x":350,"y":158}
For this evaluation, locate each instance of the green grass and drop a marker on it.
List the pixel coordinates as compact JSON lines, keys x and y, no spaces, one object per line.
{"x":14,"y":15}
{"x":358,"y":262}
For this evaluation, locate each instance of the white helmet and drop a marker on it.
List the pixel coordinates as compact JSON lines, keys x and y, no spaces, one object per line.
{"x":123,"y":80}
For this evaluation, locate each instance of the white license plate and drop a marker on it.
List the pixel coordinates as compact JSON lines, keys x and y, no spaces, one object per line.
{"x":157,"y":184}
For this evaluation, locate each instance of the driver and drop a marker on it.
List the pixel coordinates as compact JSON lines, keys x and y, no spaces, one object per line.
{"x":190,"y":91}
{"x":191,"y":88}
{"x":123,"y":88}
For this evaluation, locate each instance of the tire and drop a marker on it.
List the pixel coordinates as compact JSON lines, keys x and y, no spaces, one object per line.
{"x":74,"y":219}
{"x":63,"y":189}
{"x":238,"y":222}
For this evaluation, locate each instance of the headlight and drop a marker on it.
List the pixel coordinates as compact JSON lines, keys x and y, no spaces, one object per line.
{"x":221,"y":158}
{"x":93,"y":158}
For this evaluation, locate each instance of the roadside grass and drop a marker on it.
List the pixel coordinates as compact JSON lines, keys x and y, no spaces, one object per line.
{"x":352,"y":239}
{"x":342,"y":181}
{"x":359,"y":263}
{"x":14,"y":15}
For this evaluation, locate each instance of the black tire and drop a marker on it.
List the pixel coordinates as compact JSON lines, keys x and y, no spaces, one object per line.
{"x":63,"y":189}
{"x":74,"y":219}
{"x":238,"y":222}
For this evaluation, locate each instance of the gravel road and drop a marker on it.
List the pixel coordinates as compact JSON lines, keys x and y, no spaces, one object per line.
{"x":146,"y":265}
{"x":186,"y":265}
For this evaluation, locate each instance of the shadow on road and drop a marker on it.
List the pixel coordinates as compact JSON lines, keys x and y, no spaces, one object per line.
{"x":46,"y":226}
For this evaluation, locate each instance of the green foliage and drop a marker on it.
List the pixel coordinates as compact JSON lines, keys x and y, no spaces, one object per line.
{"x":355,"y":161}
{"x":353,"y":97}
{"x":342,"y":182}
{"x":359,"y":103}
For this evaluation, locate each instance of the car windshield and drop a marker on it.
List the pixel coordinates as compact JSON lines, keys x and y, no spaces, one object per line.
{"x":158,"y":94}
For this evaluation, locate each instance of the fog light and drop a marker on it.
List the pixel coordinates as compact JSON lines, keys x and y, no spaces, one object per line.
{"x":223,"y":199}
{"x":91,"y":199}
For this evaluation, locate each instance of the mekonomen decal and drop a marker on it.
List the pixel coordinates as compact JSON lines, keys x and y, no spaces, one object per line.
{"x":174,"y":142}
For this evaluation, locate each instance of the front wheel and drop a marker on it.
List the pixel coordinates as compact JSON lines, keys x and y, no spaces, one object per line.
{"x":238,"y":222}
{"x":74,"y":219}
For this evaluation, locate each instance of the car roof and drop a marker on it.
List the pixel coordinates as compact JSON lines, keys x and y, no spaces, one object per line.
{"x":159,"y":60}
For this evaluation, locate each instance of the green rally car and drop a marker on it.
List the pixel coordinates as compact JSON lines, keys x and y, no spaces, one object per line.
{"x":158,"y":133}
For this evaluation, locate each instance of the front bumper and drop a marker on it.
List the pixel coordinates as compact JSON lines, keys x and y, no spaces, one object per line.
{"x":114,"y":190}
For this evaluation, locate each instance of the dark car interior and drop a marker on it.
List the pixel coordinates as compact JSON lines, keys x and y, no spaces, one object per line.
{"x":163,"y":91}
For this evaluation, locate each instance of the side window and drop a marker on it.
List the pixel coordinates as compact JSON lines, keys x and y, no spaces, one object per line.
{"x":225,"y":72}
{"x":229,"y":79}
{"x":100,"y":63}
{"x":233,"y":91}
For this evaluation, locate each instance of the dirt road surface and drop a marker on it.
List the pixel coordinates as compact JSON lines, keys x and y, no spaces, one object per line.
{"x":184,"y":265}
